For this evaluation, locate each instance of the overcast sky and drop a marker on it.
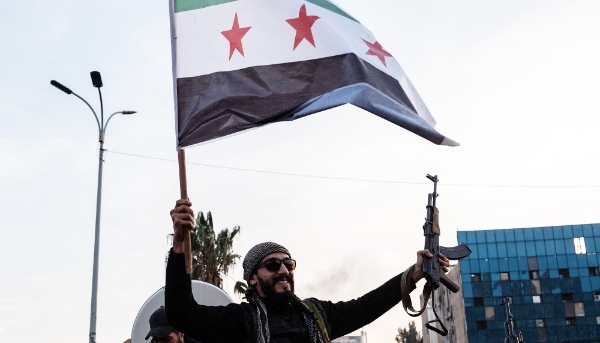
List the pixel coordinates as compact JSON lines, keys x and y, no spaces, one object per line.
{"x":515,"y":82}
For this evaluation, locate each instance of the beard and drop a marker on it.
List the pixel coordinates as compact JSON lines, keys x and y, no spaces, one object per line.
{"x":268,"y":288}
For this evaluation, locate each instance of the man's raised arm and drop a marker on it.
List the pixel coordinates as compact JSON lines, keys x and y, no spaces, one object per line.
{"x":205,"y":323}
{"x":348,"y":316}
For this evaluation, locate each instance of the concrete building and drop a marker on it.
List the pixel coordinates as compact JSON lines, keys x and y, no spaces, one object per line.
{"x":450,"y":309}
{"x":352,"y":339}
{"x":551,"y":274}
{"x":347,"y":339}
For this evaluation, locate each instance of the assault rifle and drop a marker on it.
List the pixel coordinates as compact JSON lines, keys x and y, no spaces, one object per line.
{"x":431,"y":266}
{"x":509,"y":329}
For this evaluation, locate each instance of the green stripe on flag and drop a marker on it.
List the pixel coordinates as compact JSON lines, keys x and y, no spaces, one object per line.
{"x":188,"y":5}
{"x":332,"y":7}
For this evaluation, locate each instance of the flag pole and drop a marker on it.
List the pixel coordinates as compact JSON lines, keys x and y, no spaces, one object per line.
{"x":187,"y":242}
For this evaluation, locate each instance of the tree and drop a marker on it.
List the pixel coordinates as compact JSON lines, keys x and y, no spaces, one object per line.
{"x":240,"y":288}
{"x":212,"y":254}
{"x":409,"y":336}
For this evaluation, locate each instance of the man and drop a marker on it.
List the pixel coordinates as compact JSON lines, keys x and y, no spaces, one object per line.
{"x":273,"y":312}
{"x":160,"y":329}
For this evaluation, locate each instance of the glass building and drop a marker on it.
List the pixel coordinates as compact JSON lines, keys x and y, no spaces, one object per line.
{"x":551,"y":275}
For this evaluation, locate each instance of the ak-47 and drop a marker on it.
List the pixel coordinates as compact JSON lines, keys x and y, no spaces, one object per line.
{"x":509,"y":329}
{"x":431,"y":266}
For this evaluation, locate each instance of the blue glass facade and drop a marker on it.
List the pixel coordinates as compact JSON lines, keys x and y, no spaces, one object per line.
{"x":551,"y":274}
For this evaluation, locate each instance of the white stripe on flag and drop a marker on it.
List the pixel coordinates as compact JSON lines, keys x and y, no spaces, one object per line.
{"x":202,"y":49}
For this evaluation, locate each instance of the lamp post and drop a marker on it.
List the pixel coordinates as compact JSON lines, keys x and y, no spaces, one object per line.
{"x":97,"y":82}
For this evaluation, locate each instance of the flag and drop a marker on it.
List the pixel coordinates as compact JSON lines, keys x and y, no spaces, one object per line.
{"x":242,"y":64}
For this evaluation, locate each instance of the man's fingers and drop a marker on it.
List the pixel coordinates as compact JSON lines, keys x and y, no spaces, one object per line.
{"x":181,"y":220}
{"x":424,"y":253}
{"x":421,"y":254}
{"x":444,"y":263}
{"x":183,"y":216}
{"x":182,"y":210}
{"x":185,"y":202}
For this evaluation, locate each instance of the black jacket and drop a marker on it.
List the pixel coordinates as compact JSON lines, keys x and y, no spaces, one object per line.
{"x":234,"y":323}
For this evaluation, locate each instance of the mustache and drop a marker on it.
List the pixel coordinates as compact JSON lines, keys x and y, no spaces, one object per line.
{"x":287,"y":278}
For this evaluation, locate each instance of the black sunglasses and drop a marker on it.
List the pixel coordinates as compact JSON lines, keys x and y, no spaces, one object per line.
{"x":274,"y":264}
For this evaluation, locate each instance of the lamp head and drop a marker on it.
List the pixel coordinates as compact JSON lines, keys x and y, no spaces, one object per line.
{"x":128,"y":112}
{"x":61,"y":87}
{"x":96,"y":79}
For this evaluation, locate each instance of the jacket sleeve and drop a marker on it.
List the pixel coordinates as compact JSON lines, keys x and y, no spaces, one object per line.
{"x":204,"y":323}
{"x":347,"y":316}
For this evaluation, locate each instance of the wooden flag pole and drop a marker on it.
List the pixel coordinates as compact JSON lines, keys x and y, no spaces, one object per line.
{"x":187,"y":242}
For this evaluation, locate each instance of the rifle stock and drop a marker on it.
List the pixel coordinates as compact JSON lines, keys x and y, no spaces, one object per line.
{"x":446,"y":281}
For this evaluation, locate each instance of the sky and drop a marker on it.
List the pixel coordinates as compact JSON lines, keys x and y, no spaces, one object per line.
{"x":515,"y":82}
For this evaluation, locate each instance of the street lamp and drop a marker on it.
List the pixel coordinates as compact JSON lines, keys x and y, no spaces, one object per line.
{"x":97,"y":82}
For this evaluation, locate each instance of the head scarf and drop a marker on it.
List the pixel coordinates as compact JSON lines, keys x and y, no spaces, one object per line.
{"x":256,"y":255}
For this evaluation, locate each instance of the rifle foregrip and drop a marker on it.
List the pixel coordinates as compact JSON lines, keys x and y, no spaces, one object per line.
{"x":445,"y":280}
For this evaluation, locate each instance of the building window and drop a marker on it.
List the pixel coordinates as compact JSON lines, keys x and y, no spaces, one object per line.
{"x":579,"y":245}
{"x":579,"y":309}
{"x":534,"y":275}
{"x":563,"y":273}
{"x":481,"y":325}
{"x":594,"y":271}
{"x":567,"y":297}
{"x":504,"y":276}
{"x":532,"y":263}
{"x":542,"y":335}
{"x":489,"y":313}
{"x":475,"y":277}
{"x":598,"y":320}
{"x":569,"y":309}
{"x":536,"y":299}
{"x":535,"y":287}
{"x":571,"y":321}
{"x":540,"y":323}
{"x":478,"y":301}
{"x":596,"y":296}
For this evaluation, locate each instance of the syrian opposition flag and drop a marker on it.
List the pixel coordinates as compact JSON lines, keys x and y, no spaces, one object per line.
{"x":241,"y":64}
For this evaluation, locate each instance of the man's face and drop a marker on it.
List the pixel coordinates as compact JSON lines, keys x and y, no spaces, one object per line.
{"x":174,"y":337}
{"x":278,"y":284}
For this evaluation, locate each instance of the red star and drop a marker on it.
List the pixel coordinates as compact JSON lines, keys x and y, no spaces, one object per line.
{"x":234,"y":36}
{"x":302,"y":25}
{"x":376,"y":49}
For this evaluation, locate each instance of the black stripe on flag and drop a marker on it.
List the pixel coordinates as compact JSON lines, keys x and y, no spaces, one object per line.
{"x":219,"y":104}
